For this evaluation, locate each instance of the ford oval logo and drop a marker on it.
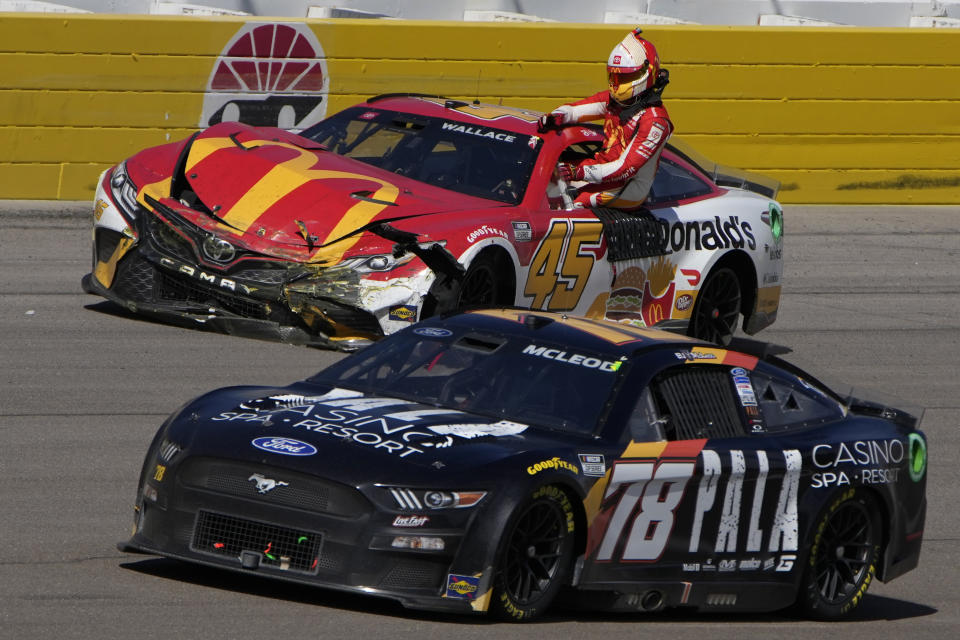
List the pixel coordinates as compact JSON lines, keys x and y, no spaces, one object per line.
{"x":433,"y":332}
{"x":285,"y":446}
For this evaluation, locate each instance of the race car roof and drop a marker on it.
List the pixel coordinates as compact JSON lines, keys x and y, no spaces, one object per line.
{"x":598,"y":335}
{"x":488,"y":115}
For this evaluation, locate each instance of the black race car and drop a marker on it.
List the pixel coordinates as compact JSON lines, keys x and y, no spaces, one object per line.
{"x":487,"y":461}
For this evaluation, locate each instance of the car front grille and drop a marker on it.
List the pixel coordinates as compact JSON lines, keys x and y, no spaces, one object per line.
{"x":281,"y":547}
{"x":176,"y":289}
{"x":135,"y":279}
{"x":276,"y":275}
{"x":263,"y":484}
{"x":415,"y":574}
{"x":169,"y":241}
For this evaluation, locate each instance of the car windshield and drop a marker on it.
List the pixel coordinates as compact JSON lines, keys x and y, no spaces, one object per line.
{"x":469,"y":159}
{"x":538,"y":384}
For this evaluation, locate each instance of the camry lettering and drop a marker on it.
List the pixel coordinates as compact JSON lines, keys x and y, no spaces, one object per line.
{"x":203,"y":276}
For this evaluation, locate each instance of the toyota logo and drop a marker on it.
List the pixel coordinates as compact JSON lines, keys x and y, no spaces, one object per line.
{"x":218,"y":250}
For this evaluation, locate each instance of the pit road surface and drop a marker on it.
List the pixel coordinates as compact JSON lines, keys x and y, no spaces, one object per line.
{"x":871,"y":297}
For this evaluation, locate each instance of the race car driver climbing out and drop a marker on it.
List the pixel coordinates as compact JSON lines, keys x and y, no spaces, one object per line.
{"x":636,"y":128}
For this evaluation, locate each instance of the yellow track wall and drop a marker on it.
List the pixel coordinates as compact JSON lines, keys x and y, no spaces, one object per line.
{"x":838,"y":115}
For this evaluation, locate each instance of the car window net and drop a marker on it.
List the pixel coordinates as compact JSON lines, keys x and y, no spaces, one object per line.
{"x":700,"y":404}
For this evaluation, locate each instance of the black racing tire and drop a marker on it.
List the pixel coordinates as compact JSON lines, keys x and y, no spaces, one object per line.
{"x":535,"y":556}
{"x":482,"y":286}
{"x":843,"y":557}
{"x":717,"y":311}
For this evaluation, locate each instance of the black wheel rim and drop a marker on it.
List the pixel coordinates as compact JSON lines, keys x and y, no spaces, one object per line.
{"x":843,"y":556}
{"x":534,"y":552}
{"x":479,"y":287}
{"x":718,"y":308}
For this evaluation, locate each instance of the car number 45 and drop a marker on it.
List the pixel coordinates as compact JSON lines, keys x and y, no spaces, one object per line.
{"x":562,"y":264}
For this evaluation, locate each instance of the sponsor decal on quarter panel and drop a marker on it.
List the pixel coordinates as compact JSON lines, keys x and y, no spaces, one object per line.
{"x":641,"y":499}
{"x":648,"y":485}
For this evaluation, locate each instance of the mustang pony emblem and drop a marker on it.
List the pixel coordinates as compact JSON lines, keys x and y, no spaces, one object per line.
{"x":267,"y":484}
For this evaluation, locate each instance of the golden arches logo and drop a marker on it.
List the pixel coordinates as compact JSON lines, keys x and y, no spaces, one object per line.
{"x":655,"y":314}
{"x":288,"y":176}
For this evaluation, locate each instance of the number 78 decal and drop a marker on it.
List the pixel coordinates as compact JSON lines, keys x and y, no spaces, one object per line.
{"x":562,"y":264}
{"x":658,"y":488}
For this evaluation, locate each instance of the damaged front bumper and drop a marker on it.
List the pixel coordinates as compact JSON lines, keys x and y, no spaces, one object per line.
{"x":150,"y":269}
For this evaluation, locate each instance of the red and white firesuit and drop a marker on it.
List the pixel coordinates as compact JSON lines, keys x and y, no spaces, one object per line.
{"x":620,"y":174}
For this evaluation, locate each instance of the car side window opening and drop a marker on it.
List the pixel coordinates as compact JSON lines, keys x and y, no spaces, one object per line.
{"x":702,"y":402}
{"x":574,"y":154}
{"x":673,"y":182}
{"x":686,"y":403}
{"x":786,"y":404}
{"x":646,"y":424}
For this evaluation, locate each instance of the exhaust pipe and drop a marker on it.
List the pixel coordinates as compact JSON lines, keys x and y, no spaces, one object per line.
{"x":651,"y":601}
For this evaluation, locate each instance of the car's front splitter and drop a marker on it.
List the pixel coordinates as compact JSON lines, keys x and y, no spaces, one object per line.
{"x":427,"y":603}
{"x":212,"y":319}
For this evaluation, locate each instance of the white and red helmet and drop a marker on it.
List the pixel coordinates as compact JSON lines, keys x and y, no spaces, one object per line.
{"x":632,"y":67}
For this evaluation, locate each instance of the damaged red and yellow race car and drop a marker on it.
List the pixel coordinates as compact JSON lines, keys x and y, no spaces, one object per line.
{"x":406,"y":206}
{"x":495,"y":460}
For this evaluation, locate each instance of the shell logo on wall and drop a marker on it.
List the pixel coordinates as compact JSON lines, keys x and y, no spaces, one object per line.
{"x":268,"y":74}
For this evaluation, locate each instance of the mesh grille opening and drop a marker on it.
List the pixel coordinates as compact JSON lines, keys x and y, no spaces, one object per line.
{"x":182,"y":290}
{"x":134,"y":279}
{"x":279,"y":547}
{"x":299,"y":491}
{"x":701,"y":404}
{"x":415,"y":575}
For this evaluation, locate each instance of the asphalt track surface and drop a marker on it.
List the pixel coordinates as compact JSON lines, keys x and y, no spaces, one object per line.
{"x":871,"y":297}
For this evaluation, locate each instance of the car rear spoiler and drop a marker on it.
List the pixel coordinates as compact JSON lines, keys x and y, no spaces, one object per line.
{"x":723,"y":175}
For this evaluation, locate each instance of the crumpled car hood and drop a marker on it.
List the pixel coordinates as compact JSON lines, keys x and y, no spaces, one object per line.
{"x":273,"y":186}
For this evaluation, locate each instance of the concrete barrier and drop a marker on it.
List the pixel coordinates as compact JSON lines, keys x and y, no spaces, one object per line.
{"x":838,"y":115}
